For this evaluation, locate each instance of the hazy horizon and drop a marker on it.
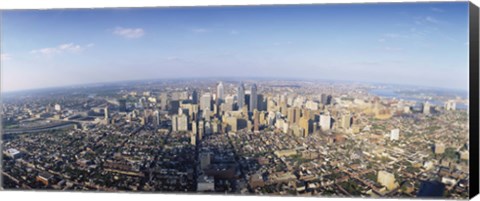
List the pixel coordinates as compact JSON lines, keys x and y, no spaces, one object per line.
{"x":227,"y":79}
{"x":421,"y":44}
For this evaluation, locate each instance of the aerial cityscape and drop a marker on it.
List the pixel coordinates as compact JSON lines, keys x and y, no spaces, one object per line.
{"x":168,"y":114}
{"x":261,"y":137}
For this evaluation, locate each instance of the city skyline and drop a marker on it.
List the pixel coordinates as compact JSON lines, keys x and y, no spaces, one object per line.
{"x":280,"y":138}
{"x":424,"y":42}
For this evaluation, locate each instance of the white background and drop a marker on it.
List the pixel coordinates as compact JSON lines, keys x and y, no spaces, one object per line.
{"x":43,"y":4}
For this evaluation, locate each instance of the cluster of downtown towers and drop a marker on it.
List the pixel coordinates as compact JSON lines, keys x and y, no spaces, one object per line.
{"x":247,"y":102}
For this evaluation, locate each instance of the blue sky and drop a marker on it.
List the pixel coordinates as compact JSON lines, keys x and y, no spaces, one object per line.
{"x":422,"y":44}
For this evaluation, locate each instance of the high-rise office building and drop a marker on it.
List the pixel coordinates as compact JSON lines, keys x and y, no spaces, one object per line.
{"x":201,"y":129}
{"x":157,"y":118}
{"x":256,"y":120}
{"x":105,"y":111}
{"x":298,"y":114}
{"x":326,"y":99}
{"x":194,"y":127}
{"x":253,"y":98}
{"x":195,"y":97}
{"x":228,"y":104}
{"x":231,"y":124}
{"x":183,"y":122}
{"x":261,"y":102}
{"x":329,"y":99}
{"x":325,"y":122}
{"x":179,"y":122}
{"x":240,"y":96}
{"x":312,"y":105}
{"x":163,"y":101}
{"x":291,"y":115}
{"x":306,"y":124}
{"x":346,"y":121}
{"x":173,"y":106}
{"x":323,"y":99}
{"x":247,"y":101}
{"x":174,"y":123}
{"x":262,"y":118}
{"x":206,"y":102}
{"x":284,"y":108}
{"x":426,"y":108}
{"x":220,"y":93}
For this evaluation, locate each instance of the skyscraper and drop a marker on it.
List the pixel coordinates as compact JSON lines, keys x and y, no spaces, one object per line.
{"x":346,"y":121}
{"x":228,"y":104}
{"x":253,"y":98}
{"x":231,"y":124}
{"x":329,"y":100}
{"x":105,"y":111}
{"x":201,"y":129}
{"x":298,"y":114}
{"x":291,"y":115}
{"x":323,"y":99}
{"x":179,"y":123}
{"x":325,"y":122}
{"x":240,"y":96}
{"x":157,"y":118}
{"x":195,"y":97}
{"x":220,"y":93}
{"x":182,"y":123}
{"x":163,"y":101}
{"x":256,"y":120}
{"x":306,"y":124}
{"x":206,"y":102}
{"x":194,"y":127}
{"x":426,"y":108}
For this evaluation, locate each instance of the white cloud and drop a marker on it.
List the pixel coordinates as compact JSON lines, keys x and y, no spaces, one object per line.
{"x":70,"y":47}
{"x":234,"y":32}
{"x":427,"y":20}
{"x":5,"y":57}
{"x":437,"y":10}
{"x":394,"y":35}
{"x":431,"y":20}
{"x":393,"y":48}
{"x":200,"y":30}
{"x":66,"y":47}
{"x":129,"y":32}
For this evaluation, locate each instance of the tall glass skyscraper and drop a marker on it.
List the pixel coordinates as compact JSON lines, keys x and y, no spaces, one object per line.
{"x":220,"y":93}
{"x":240,"y":96}
{"x":253,"y":98}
